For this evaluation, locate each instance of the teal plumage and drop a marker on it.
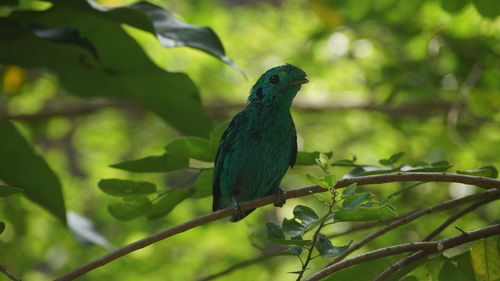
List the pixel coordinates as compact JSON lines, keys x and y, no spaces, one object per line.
{"x":259,"y":144}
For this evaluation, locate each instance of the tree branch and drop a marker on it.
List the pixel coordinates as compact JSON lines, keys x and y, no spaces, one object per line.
{"x":373,"y":179}
{"x":427,"y":247}
{"x":420,"y":254}
{"x":493,"y":193}
{"x":8,"y":274}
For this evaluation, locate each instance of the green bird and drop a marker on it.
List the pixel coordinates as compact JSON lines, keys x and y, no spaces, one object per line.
{"x":259,"y":144}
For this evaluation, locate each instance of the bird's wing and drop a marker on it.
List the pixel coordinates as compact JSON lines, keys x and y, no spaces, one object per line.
{"x":223,"y":151}
{"x":293,"y":153}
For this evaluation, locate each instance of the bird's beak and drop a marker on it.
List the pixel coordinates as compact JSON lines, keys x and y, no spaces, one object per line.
{"x":299,"y":81}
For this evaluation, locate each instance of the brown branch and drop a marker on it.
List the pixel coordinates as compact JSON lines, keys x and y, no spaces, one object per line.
{"x":427,"y":247}
{"x":8,"y":274}
{"x":420,"y":254}
{"x":404,"y":220}
{"x":235,"y":267}
{"x":373,"y":179}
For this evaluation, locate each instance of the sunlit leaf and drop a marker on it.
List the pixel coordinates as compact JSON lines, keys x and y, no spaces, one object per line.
{"x":309,"y":158}
{"x":485,"y":258}
{"x":190,"y":147}
{"x":317,"y":181}
{"x":324,"y":197}
{"x":9,"y":190}
{"x":152,"y":164}
{"x":305,"y":214}
{"x":166,"y":203}
{"x":21,"y":167}
{"x":119,"y":187}
{"x":130,"y":207}
{"x":486,"y":171}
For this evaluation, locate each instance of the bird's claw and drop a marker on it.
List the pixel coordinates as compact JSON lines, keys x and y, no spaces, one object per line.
{"x":238,"y":212}
{"x":281,"y":198}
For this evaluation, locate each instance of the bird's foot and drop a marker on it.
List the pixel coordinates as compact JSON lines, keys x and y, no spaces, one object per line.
{"x":238,"y":212}
{"x":281,"y":198}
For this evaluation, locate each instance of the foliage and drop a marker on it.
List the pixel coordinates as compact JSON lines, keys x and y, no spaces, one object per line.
{"x":85,"y":85}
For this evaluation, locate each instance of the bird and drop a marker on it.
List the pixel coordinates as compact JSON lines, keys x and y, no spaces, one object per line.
{"x":259,"y":144}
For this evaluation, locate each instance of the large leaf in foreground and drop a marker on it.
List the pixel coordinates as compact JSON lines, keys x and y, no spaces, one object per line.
{"x":20,"y":166}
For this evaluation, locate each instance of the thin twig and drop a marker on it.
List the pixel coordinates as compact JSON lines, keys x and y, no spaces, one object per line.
{"x":8,"y":274}
{"x":439,"y":207}
{"x":373,"y":179}
{"x":428,"y":247}
{"x":235,"y":267}
{"x":420,"y":254}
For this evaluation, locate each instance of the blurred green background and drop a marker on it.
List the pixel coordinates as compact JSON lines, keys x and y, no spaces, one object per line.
{"x":420,"y":76}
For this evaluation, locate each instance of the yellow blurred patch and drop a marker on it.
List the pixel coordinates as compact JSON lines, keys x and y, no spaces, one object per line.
{"x":13,"y":78}
{"x":330,"y":16}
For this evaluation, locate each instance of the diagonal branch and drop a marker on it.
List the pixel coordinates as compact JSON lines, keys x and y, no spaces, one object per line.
{"x":420,"y":254}
{"x":8,"y":274}
{"x":491,"y":193}
{"x":373,"y":179}
{"x":427,"y":247}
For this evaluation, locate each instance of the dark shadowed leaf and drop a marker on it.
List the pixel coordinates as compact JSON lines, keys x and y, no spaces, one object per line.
{"x":294,"y":241}
{"x":21,"y":167}
{"x":393,"y":159}
{"x":152,"y":164}
{"x":353,"y":201}
{"x":274,"y":231}
{"x":130,"y":207}
{"x":9,"y":190}
{"x":486,"y":171}
{"x":453,"y":6}
{"x":370,"y":170}
{"x":167,"y":203}
{"x":292,"y":228}
{"x":169,"y":31}
{"x":458,"y":268}
{"x":2,"y":227}
{"x":487,"y":8}
{"x":309,"y":158}
{"x":84,"y":231}
{"x":366,"y":214}
{"x":119,"y":187}
{"x":350,"y":190}
{"x":203,"y":185}
{"x":190,"y":147}
{"x":326,"y":248}
{"x":305,"y":214}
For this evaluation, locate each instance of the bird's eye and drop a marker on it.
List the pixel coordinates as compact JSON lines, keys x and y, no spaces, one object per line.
{"x":275,"y":79}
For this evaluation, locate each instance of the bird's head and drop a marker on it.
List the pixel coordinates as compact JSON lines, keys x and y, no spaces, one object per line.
{"x":278,"y":86}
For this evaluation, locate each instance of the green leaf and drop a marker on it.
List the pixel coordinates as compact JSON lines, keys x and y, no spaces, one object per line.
{"x":370,"y":170}
{"x":458,"y":268}
{"x":326,"y":248}
{"x":170,"y":31}
{"x":203,"y":185}
{"x":353,"y":201}
{"x":21,"y":167}
{"x":350,"y":190}
{"x":330,"y":179}
{"x":130,"y":207}
{"x":8,"y":190}
{"x":2,"y":227}
{"x":309,"y":158}
{"x":486,"y":171}
{"x":344,"y":163}
{"x":317,"y":181}
{"x":152,"y":164}
{"x":440,"y":166}
{"x":294,"y":241}
{"x":453,"y":6}
{"x":324,"y":197}
{"x":487,"y":8}
{"x":393,"y":159}
{"x":119,"y":187}
{"x":366,"y":214}
{"x":123,"y":70}
{"x":485,"y":259}
{"x":274,"y":231}
{"x":167,"y":203}
{"x":292,"y":228}
{"x":190,"y":147}
{"x":305,"y":214}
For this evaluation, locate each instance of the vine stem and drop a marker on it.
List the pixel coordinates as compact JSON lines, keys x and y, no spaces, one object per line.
{"x":373,"y":179}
